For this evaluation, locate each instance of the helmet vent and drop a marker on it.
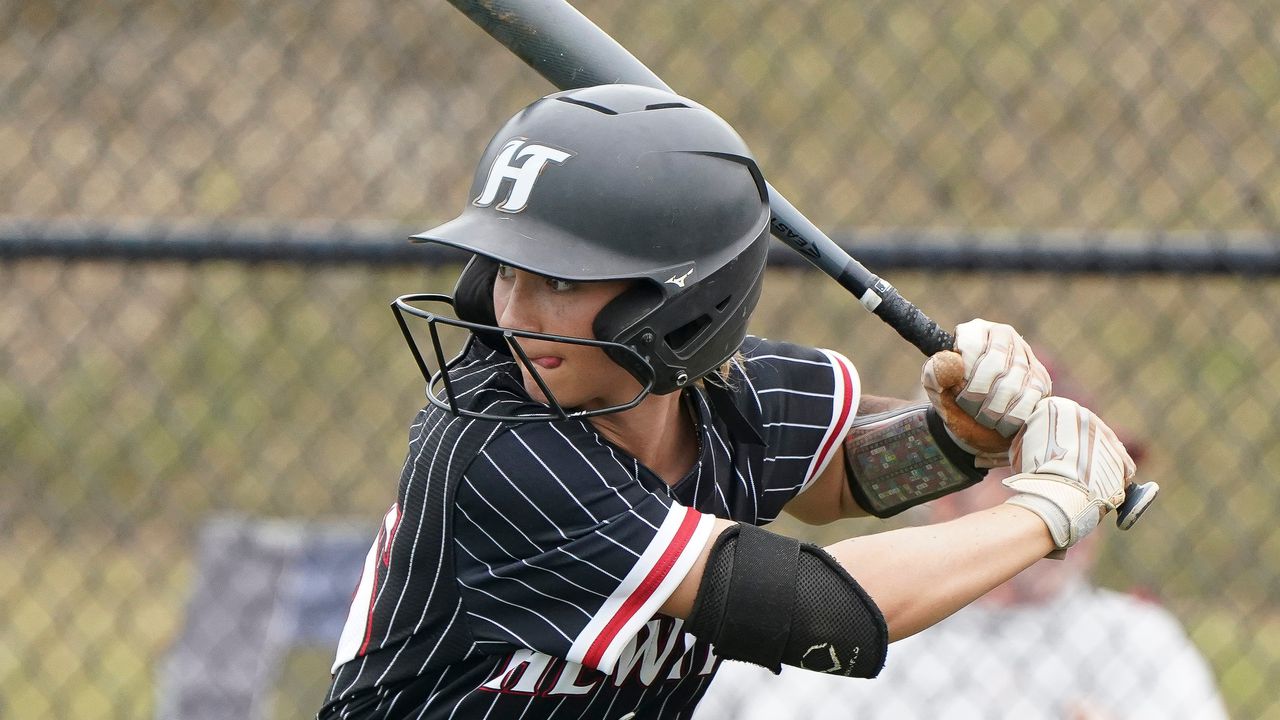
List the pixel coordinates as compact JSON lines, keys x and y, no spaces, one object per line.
{"x":663,"y":106}
{"x":590,"y":105}
{"x":720,"y":306}
{"x":677,"y":339}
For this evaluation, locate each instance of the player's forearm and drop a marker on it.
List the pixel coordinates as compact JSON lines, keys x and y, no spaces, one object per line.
{"x":829,"y":497}
{"x":920,"y":575}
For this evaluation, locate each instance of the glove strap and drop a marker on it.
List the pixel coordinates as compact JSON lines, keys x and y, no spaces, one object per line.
{"x":1066,"y":508}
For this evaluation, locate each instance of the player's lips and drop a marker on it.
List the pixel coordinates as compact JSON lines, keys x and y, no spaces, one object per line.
{"x":547,"y":362}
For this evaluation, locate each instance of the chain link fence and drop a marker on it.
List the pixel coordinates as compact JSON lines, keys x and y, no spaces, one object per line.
{"x":204,"y":207}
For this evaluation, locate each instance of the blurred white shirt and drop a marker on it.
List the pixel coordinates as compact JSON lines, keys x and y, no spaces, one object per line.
{"x":1089,"y":653}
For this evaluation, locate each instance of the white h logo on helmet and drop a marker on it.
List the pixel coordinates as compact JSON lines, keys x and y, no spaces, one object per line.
{"x":521,"y":174}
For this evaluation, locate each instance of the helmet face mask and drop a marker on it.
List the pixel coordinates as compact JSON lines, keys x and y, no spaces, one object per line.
{"x":621,"y":182}
{"x":440,"y":390}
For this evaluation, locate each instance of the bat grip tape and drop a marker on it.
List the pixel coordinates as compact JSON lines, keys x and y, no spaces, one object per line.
{"x":914,"y":326}
{"x":883,"y":299}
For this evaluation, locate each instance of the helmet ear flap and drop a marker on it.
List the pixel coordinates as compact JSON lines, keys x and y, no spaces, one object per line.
{"x":616,"y":322}
{"x":689,"y":335}
{"x":473,"y":300}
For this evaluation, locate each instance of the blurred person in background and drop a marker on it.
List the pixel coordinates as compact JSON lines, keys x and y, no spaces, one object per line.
{"x":1047,"y":643}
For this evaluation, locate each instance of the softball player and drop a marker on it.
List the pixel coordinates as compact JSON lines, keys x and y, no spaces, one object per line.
{"x":576,"y":529}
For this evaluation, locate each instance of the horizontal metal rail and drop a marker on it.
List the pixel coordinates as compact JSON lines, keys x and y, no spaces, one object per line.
{"x":1082,"y":252}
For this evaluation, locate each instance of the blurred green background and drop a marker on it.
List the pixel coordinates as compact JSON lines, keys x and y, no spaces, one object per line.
{"x":139,"y":399}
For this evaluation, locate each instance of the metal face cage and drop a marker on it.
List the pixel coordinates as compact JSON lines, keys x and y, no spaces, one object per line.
{"x":439,"y":382}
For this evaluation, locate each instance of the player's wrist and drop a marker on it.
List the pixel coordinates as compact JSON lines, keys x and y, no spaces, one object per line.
{"x":1068,"y":509}
{"x":960,"y":453}
{"x":903,"y":457}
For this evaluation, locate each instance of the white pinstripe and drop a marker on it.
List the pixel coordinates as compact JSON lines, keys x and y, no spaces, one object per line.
{"x":430,"y":696}
{"x":845,"y":395}
{"x":562,"y":577}
{"x":489,"y":569}
{"x":588,"y":562}
{"x":605,"y":535}
{"x":426,"y":604}
{"x":784,"y":358}
{"x":755,"y":394}
{"x":508,"y":553}
{"x":359,"y":673}
{"x":422,"y":516}
{"x":444,"y":518}
{"x":555,"y":477}
{"x":453,"y":618}
{"x":466,"y":481}
{"x":747,"y":485}
{"x":514,"y":486}
{"x":803,"y":426}
{"x":595,"y":470}
{"x":504,"y":628}
{"x":789,"y":391}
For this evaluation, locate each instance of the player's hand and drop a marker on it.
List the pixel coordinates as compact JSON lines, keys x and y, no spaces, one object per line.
{"x":1003,"y":380}
{"x":1072,"y":470}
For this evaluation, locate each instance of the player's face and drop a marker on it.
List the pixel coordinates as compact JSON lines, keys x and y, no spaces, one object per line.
{"x":579,"y":376}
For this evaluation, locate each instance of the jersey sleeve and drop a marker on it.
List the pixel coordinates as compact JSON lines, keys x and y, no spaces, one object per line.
{"x":560,"y":549}
{"x":807,"y":399}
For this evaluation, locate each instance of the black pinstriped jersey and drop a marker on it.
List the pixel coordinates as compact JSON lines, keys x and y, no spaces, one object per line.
{"x":519,"y":572}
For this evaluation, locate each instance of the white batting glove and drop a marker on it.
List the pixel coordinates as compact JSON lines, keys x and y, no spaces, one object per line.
{"x":1071,"y":469}
{"x":1003,"y":380}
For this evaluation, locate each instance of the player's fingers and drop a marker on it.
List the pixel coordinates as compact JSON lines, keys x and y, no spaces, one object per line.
{"x":1112,"y":466}
{"x":1015,"y":449}
{"x":1021,"y":409}
{"x":1050,"y":439}
{"x":1032,"y":387}
{"x":1006,"y":381}
{"x":971,"y":341}
{"x":1123,"y":460}
{"x":1005,"y":394}
{"x":991,"y":369}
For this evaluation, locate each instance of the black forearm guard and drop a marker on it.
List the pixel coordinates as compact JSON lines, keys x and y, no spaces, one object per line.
{"x":902,"y":458}
{"x":771,"y":600}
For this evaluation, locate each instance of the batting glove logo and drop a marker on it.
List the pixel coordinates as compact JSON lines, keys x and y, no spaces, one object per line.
{"x":521,"y":162}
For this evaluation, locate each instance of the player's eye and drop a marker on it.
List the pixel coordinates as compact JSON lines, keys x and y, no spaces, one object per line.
{"x":561,"y":285}
{"x":506,"y":272}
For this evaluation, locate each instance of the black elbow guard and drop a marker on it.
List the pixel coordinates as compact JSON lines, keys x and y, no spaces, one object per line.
{"x":902,"y":458}
{"x":771,"y":600}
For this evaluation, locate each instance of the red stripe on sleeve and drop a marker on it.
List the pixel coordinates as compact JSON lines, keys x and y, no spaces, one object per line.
{"x":645,"y":589}
{"x":385,"y":538}
{"x":373,"y":598}
{"x":844,"y":415}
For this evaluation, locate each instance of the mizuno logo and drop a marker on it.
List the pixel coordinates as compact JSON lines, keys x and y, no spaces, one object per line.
{"x":521,"y":162}
{"x":678,"y":280}
{"x":1054,"y":451}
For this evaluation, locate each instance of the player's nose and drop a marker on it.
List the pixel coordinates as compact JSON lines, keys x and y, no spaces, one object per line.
{"x":523,"y":306}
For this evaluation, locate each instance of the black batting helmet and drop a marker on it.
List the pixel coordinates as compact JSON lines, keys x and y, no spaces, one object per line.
{"x":618,"y":182}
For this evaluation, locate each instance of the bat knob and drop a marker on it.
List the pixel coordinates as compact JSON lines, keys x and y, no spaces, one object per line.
{"x":1137,"y":498}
